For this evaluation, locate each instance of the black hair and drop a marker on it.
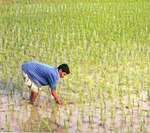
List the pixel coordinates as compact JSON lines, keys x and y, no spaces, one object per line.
{"x":64,"y":68}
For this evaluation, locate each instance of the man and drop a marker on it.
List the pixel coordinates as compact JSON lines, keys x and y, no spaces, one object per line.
{"x":38,"y":74}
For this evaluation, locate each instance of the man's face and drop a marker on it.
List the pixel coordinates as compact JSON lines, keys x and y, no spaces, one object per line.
{"x":62,"y":74}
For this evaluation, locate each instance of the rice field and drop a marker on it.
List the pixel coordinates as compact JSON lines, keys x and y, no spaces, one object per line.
{"x":107,"y":46}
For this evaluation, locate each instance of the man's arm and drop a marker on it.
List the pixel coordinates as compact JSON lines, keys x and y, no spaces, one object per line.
{"x":56,"y":97}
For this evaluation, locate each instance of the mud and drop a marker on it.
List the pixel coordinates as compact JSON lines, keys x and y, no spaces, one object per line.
{"x":18,"y":115}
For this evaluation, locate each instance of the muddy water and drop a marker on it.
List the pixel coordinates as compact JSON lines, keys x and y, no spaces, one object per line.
{"x":18,"y":115}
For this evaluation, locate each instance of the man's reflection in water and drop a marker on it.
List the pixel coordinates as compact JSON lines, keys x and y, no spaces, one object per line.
{"x":41,"y":121}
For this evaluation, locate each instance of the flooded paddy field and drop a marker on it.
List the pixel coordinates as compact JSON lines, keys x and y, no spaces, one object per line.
{"x":106,"y":45}
{"x":18,"y":115}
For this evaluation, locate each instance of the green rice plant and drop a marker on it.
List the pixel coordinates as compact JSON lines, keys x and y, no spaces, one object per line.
{"x":66,"y":125}
{"x":103,"y":117}
{"x":45,"y":124}
{"x":142,"y":122}
{"x":79,"y":123}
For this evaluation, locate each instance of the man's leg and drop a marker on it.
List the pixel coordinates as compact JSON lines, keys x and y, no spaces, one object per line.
{"x":27,"y":83}
{"x":32,"y":87}
{"x":34,"y":93}
{"x":33,"y":96}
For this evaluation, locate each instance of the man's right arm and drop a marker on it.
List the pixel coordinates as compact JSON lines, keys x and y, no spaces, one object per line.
{"x":56,"y":96}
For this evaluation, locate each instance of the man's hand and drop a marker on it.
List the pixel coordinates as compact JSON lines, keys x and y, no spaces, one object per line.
{"x":56,"y":97}
{"x":59,"y":101}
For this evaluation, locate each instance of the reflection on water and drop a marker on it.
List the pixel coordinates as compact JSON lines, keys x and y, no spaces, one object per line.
{"x":18,"y":115}
{"x":26,"y":117}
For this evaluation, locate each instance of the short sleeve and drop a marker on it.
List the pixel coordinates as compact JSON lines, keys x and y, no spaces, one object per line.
{"x":52,"y":82}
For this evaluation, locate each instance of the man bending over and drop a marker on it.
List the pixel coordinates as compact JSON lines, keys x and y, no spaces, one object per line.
{"x":38,"y":74}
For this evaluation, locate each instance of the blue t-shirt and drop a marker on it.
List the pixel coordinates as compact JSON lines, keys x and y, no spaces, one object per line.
{"x":41,"y":74}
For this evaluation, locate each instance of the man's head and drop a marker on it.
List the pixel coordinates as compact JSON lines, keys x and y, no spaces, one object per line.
{"x":63,"y":70}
